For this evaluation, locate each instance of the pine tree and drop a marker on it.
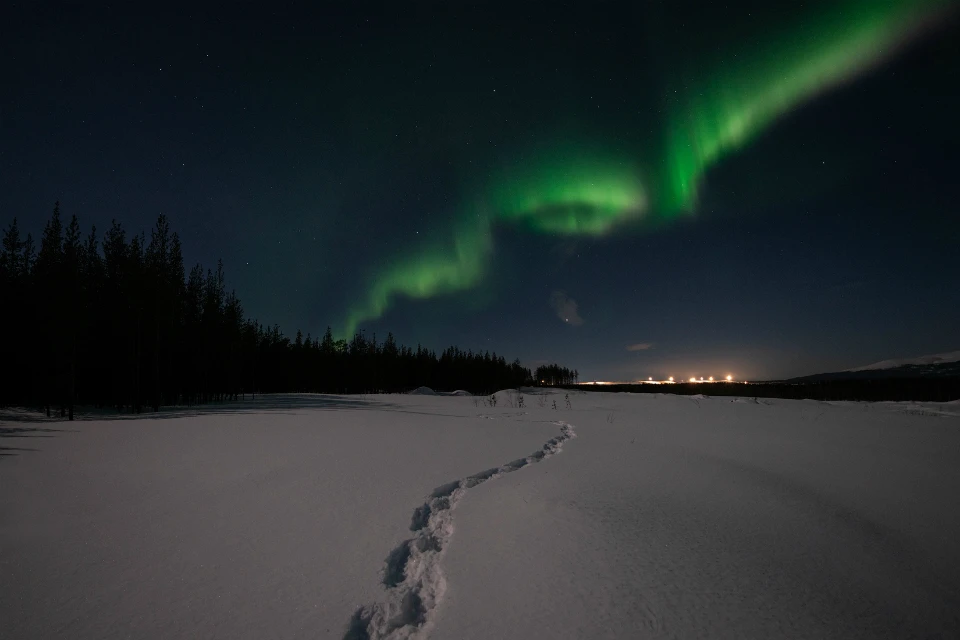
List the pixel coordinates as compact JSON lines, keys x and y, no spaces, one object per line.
{"x":12,"y":293}
{"x":49,"y":280}
{"x":116,"y":313}
{"x":72,"y":300}
{"x":12,"y":254}
{"x":137,"y":284}
{"x":92,"y":331}
{"x":158,"y":305}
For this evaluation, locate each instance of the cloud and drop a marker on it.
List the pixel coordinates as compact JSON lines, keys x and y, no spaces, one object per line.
{"x":640,"y":346}
{"x":565,"y":308}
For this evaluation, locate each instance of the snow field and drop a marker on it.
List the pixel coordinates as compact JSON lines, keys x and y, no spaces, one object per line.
{"x":680,"y":517}
{"x":416,"y":516}
{"x":234,"y":523}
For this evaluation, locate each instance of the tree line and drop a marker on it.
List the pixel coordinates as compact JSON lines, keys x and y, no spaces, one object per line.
{"x":554,"y":375}
{"x":934,"y":389}
{"x":118,"y":322}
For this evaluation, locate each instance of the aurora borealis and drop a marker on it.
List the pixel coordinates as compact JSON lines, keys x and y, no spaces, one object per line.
{"x":718,"y":113}
{"x":736,"y":182}
{"x":740,"y":97}
{"x":558,"y":197}
{"x":569,"y":195}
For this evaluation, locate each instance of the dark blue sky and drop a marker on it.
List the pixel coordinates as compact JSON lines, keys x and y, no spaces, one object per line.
{"x":309,"y":147}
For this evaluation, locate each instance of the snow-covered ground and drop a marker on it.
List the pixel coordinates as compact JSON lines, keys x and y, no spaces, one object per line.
{"x":934,"y":359}
{"x":624,"y":516}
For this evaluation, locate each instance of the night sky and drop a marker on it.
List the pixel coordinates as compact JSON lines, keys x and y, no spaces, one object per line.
{"x":637,"y":189}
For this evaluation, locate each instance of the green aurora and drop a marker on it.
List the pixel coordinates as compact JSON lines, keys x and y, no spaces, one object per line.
{"x":733,"y":103}
{"x":571,"y":194}
{"x":568,"y":198}
{"x":438,"y":269}
{"x":725,"y":108}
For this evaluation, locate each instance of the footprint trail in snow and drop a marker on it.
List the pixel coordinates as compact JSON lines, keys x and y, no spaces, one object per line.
{"x":412,"y":576}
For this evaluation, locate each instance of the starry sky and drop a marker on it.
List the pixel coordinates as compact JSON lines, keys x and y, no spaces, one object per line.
{"x":632,"y":189}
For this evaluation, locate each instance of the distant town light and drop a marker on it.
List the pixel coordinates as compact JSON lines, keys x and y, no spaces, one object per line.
{"x":650,"y":379}
{"x":711,"y":378}
{"x":671,"y":378}
{"x":693,"y":379}
{"x":729,"y":378}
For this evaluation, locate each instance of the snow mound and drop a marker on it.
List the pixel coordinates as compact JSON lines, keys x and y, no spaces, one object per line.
{"x":936,"y":358}
{"x":423,"y":391}
{"x":460,"y":392}
{"x":535,"y":390}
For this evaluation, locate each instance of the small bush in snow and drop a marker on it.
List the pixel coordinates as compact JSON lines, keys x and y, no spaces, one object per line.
{"x":493,"y":399}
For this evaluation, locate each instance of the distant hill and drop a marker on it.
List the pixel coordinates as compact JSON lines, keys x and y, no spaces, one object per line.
{"x":939,"y":365}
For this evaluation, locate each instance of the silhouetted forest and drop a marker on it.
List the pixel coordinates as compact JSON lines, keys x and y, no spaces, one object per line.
{"x":554,"y":374}
{"x":118,"y":322}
